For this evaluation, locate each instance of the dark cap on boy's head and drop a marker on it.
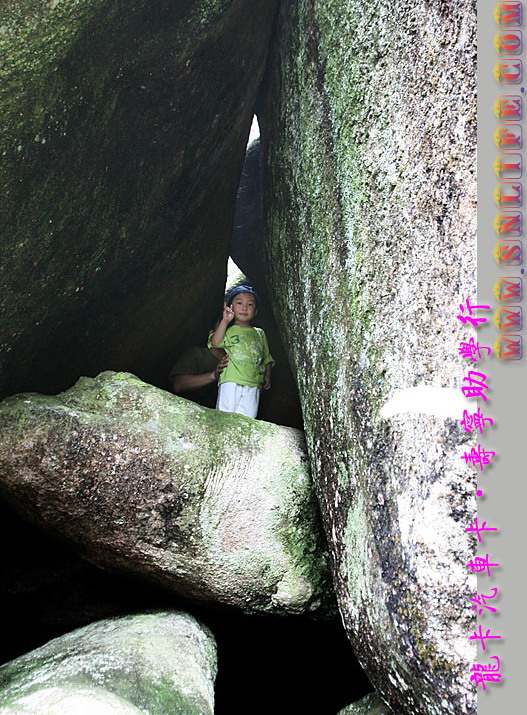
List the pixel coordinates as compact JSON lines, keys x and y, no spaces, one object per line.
{"x":242,"y":289}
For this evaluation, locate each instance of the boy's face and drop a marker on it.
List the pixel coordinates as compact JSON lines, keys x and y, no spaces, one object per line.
{"x":244,"y":307}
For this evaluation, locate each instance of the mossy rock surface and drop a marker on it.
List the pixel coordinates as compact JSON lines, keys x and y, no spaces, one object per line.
{"x":368,"y":142}
{"x":215,"y":506}
{"x":123,"y":129}
{"x":155,"y":663}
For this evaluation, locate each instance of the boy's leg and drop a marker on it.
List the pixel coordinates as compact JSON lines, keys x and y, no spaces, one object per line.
{"x":227,"y":397}
{"x":248,"y":401}
{"x":238,"y":398}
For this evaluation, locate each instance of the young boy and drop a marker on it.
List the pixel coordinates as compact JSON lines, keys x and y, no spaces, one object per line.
{"x":250,"y":362}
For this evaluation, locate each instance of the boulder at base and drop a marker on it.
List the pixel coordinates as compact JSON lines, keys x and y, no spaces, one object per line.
{"x":213,"y":505}
{"x":372,"y":704}
{"x":368,"y":155}
{"x":154,"y":663}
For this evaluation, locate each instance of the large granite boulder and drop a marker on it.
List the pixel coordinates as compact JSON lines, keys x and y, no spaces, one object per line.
{"x":368,"y":140}
{"x":156,"y":663}
{"x":122,"y":133}
{"x":213,"y":505}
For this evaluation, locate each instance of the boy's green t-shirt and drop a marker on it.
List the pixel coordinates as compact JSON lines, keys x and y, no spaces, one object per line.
{"x":248,"y":353}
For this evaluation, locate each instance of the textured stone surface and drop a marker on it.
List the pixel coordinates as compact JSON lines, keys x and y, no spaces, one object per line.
{"x":372,"y":704}
{"x":155,"y":663}
{"x":122,"y":135}
{"x":213,"y":505}
{"x":368,"y":139}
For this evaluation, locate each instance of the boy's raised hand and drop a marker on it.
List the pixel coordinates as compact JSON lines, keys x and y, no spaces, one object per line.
{"x":221,"y":328}
{"x":228,"y":313}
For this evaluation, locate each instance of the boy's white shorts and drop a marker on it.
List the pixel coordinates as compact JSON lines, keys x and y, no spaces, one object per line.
{"x":241,"y":399}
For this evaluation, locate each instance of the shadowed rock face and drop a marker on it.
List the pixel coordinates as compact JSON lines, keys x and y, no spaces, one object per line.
{"x":215,"y":506}
{"x":122,"y":133}
{"x":368,"y":140}
{"x":157,"y":663}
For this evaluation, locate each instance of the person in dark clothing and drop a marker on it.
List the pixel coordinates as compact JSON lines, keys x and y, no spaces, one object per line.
{"x":196,"y":372}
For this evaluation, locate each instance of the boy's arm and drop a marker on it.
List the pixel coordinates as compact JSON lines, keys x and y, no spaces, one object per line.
{"x":268,"y":362}
{"x":218,"y":335}
{"x":267,"y":357}
{"x":266,"y":385}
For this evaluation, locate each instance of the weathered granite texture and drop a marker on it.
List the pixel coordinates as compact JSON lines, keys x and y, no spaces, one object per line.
{"x":154,"y":663}
{"x":368,"y":141}
{"x":122,"y":134}
{"x":215,"y":506}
